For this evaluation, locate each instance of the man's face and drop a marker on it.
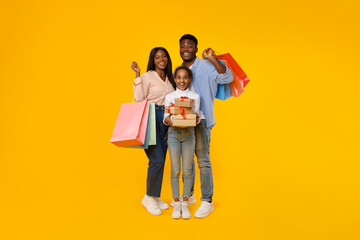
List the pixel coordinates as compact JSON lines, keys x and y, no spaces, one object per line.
{"x":188,"y":50}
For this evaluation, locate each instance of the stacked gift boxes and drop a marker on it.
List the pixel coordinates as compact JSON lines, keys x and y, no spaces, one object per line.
{"x":182,"y":112}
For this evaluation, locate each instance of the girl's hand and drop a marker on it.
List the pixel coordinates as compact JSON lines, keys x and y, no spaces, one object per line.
{"x":197,"y":118}
{"x":209,"y":54}
{"x":135,"y":67}
{"x":168,"y":120}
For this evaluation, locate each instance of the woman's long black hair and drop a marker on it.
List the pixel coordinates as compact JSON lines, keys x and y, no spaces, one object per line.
{"x":168,"y":69}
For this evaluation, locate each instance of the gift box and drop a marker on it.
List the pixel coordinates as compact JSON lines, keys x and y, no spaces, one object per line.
{"x":178,"y":110}
{"x":186,"y":120}
{"x":184,"y":102}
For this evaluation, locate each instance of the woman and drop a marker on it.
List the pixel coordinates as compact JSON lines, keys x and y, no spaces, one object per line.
{"x":152,"y":86}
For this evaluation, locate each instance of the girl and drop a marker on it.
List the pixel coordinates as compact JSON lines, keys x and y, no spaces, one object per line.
{"x":153,"y":86}
{"x":181,"y":141}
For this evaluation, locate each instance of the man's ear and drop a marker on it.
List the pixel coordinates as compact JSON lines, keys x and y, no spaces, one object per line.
{"x":196,"y":50}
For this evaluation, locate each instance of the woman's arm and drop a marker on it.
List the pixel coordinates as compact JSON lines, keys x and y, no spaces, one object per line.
{"x":141,"y":84}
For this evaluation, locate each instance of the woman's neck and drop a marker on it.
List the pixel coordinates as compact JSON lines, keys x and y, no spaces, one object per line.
{"x":161,"y":74}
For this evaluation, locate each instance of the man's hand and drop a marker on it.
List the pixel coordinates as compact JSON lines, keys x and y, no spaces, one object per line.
{"x":209,"y":54}
{"x":135,"y":67}
{"x":168,"y":120}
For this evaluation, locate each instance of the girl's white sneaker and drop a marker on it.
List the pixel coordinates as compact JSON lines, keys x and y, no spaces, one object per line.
{"x":191,"y":200}
{"x":176,"y":214}
{"x":185,"y":210}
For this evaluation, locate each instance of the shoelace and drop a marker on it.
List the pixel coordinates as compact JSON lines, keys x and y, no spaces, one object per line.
{"x":154,"y":204}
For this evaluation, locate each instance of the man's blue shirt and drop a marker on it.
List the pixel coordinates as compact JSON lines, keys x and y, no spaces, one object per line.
{"x":205,"y":83}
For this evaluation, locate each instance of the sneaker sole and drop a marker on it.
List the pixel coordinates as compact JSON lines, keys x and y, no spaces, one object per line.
{"x":205,"y":215}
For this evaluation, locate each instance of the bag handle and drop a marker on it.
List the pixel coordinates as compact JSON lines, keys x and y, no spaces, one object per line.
{"x":217,"y":52}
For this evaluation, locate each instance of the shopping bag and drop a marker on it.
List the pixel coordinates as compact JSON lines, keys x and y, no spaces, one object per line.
{"x":146,"y":142}
{"x":223,"y":91}
{"x":150,"y":137}
{"x":240,"y":78}
{"x":131,"y":124}
{"x":152,"y":125}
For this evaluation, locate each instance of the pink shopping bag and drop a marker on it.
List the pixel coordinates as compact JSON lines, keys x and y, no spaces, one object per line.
{"x":131,"y":124}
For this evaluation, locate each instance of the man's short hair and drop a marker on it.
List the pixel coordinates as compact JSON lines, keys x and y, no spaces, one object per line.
{"x":190,"y":37}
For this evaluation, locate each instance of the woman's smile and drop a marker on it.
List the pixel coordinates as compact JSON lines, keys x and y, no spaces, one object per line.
{"x":160,"y":60}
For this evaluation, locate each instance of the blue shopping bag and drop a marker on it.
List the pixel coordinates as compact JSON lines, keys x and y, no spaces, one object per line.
{"x":223,"y":91}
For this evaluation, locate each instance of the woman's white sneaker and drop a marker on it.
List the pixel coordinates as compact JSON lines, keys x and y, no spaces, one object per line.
{"x":161,"y":204}
{"x":204,"y":210}
{"x":151,"y":205}
{"x":176,"y":214}
{"x":185,"y":210}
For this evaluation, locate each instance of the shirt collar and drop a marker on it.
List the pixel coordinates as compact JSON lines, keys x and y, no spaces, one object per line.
{"x":195,"y":63}
{"x":185,"y":91}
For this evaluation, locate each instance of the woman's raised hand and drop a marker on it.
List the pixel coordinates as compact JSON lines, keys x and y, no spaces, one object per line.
{"x":135,"y":67}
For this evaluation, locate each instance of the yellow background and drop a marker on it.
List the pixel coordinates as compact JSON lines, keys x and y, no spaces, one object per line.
{"x":285,"y":154}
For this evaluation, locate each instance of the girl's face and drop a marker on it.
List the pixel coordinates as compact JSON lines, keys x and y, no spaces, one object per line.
{"x":182,"y":79}
{"x":161,"y":60}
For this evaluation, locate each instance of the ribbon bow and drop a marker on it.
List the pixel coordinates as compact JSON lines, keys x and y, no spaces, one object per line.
{"x":182,"y":98}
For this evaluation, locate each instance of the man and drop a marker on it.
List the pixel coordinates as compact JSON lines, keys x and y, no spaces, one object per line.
{"x":207,"y":74}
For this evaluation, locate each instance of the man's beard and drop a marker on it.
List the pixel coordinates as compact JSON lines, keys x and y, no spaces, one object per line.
{"x":189,"y":60}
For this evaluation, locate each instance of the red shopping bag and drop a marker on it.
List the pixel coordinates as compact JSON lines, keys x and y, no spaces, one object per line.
{"x":131,"y":124}
{"x":240,"y":78}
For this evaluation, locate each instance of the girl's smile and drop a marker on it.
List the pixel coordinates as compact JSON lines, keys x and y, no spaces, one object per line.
{"x":182,"y":79}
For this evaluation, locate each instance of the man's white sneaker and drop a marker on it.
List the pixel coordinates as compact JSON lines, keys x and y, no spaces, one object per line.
{"x":191,"y":200}
{"x":176,"y":214}
{"x":161,"y":204}
{"x":205,"y":209}
{"x":185,"y":210}
{"x":151,"y":205}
